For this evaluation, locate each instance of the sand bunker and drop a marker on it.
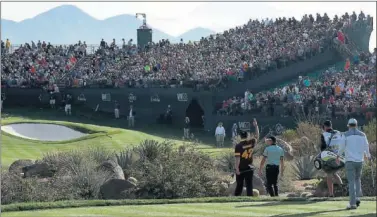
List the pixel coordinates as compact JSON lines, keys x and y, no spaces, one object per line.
{"x":42,"y":132}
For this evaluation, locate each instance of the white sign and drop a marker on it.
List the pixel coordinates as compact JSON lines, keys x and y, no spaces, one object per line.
{"x":246,"y":126}
{"x":81,"y":98}
{"x":155,"y":98}
{"x":106,"y":97}
{"x":182,"y":97}
{"x":131,"y":98}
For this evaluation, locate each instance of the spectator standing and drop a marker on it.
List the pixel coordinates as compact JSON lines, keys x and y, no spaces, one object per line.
{"x":131,"y":117}
{"x":274,"y":155}
{"x":234,"y":131}
{"x":116,"y":110}
{"x":356,"y":149}
{"x":52,"y":100}
{"x":186,"y":129}
{"x":7,"y":46}
{"x":220,"y":135}
{"x":68,"y":105}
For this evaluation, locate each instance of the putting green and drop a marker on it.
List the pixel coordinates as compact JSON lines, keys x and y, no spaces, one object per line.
{"x":287,"y":209}
{"x":14,"y":148}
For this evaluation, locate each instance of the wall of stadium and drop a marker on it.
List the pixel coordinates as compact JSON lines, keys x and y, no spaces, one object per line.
{"x":150,"y":103}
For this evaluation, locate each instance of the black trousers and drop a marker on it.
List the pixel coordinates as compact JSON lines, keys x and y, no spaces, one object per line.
{"x":272,"y":173}
{"x":247,"y":178}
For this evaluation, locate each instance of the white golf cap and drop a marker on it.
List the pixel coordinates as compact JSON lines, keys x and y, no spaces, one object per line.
{"x":352,"y":121}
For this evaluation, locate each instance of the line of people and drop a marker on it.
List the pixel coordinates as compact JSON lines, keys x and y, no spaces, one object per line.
{"x":352,"y":144}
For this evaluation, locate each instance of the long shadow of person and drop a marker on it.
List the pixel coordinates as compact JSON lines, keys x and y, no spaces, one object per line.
{"x":274,"y":203}
{"x":320,"y":213}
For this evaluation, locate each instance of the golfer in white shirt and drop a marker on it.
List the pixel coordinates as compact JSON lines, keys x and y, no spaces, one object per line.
{"x":356,"y":148}
{"x":220,"y":135}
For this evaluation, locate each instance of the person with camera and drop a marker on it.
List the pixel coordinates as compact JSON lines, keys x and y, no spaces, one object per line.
{"x":244,"y":162}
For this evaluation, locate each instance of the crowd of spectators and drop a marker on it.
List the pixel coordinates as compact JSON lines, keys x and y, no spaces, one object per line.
{"x":39,"y":64}
{"x":238,"y":53}
{"x":334,"y":92}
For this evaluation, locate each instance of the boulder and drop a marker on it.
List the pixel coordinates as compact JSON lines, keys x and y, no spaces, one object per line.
{"x":306,"y":194}
{"x":113,"y":168}
{"x":41,"y":170}
{"x":258,"y":184}
{"x":293,"y":195}
{"x":321,"y":189}
{"x":16,"y":167}
{"x":132,"y":179}
{"x":116,"y":189}
{"x":288,"y":150}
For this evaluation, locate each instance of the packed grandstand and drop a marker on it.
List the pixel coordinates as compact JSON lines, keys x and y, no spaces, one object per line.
{"x":236,"y":55}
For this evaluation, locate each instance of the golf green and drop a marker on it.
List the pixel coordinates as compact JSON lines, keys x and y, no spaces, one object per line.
{"x":287,"y":209}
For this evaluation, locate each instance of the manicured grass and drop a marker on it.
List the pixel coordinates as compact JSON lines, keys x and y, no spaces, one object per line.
{"x":14,"y":148}
{"x":277,"y":208}
{"x":95,"y":203}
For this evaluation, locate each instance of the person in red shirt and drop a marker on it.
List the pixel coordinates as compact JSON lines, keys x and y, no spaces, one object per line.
{"x":32,"y":69}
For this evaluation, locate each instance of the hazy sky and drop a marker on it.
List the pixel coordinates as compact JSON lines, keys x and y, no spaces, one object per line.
{"x":177,"y":17}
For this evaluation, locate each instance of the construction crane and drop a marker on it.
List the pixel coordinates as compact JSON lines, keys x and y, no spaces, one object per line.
{"x":144,"y":26}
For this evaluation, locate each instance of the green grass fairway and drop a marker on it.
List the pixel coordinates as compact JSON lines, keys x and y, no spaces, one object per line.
{"x":14,"y":148}
{"x":287,"y":209}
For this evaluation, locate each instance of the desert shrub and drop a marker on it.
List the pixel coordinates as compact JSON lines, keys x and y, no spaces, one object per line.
{"x":85,"y":180}
{"x":16,"y":189}
{"x":125,"y":159}
{"x":99,"y":154}
{"x":151,"y":149}
{"x":188,"y":174}
{"x":304,"y":147}
{"x":64,"y":160}
{"x":289,"y":135}
{"x":226,"y":162}
{"x":370,"y":131}
{"x":303,"y":168}
{"x":310,"y":133}
{"x":373,"y":150}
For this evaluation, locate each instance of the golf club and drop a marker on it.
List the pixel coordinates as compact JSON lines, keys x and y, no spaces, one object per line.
{"x":252,"y":168}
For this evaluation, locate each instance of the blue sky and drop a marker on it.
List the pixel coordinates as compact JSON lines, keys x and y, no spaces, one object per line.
{"x":177,"y":17}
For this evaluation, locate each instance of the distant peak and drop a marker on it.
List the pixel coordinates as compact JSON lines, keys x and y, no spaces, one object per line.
{"x":64,"y":11}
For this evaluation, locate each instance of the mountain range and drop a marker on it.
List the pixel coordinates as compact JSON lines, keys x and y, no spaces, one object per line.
{"x":68,"y":24}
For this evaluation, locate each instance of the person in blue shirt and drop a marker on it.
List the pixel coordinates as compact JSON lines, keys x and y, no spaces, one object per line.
{"x":274,"y":155}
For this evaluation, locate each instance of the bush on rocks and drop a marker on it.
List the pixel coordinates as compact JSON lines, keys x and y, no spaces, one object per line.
{"x":181,"y":175}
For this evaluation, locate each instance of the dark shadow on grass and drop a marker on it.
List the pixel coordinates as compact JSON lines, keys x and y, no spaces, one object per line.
{"x":274,"y":203}
{"x":307,"y":214}
{"x":365,"y":215}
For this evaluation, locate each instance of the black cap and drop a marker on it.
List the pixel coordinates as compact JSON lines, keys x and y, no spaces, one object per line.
{"x":327,"y":123}
{"x":243,"y":134}
{"x":272,"y":138}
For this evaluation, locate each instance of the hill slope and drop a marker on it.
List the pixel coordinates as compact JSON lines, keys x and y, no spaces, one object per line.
{"x":68,"y":24}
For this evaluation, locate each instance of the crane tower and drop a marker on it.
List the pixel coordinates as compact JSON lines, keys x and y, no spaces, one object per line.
{"x":144,"y":33}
